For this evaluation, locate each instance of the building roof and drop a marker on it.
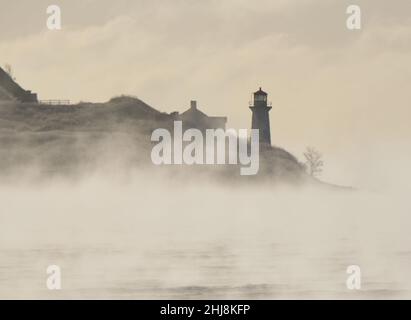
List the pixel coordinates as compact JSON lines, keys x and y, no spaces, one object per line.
{"x":200,"y":119}
{"x":194,"y":112}
{"x":260,"y":92}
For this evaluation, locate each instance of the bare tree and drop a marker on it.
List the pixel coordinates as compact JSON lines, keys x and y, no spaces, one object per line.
{"x":314,"y":163}
{"x":9,"y":70}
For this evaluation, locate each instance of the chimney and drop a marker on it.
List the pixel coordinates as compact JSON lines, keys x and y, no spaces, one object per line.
{"x":193,"y":104}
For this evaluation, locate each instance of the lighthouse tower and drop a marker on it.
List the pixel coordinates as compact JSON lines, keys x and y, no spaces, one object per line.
{"x":261,"y":119}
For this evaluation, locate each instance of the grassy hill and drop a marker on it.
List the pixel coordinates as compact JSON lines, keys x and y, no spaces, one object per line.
{"x":73,"y":139}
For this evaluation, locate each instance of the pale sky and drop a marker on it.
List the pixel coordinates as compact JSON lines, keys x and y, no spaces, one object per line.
{"x":347,"y":93}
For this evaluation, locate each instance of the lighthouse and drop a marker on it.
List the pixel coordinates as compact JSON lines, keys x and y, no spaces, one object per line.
{"x":261,"y":119}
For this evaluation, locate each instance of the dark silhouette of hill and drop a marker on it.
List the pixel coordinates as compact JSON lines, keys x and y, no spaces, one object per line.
{"x":113,"y":135}
{"x":11,"y":91}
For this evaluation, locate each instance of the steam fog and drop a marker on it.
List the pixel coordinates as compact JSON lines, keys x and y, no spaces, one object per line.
{"x":118,"y":233}
{"x":77,"y":188}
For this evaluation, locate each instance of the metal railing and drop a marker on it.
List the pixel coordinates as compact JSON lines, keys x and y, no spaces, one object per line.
{"x":55,"y":102}
{"x":252,"y":103}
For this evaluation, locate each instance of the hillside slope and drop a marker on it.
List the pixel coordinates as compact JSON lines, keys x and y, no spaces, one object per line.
{"x":74,"y":139}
